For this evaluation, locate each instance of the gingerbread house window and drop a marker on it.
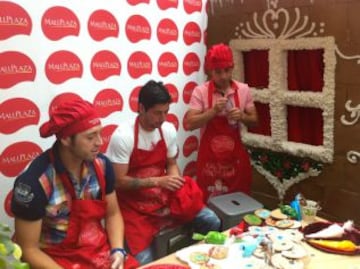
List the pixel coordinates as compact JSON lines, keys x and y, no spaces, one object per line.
{"x":292,"y":82}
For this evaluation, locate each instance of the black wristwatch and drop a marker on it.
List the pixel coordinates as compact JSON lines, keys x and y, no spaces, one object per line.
{"x":122,"y":250}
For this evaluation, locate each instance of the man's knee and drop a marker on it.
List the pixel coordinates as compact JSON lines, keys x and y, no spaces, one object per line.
{"x":207,"y":220}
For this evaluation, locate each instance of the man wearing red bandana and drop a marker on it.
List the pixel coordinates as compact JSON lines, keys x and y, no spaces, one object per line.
{"x":151,"y":192}
{"x":218,"y":108}
{"x":60,"y":201}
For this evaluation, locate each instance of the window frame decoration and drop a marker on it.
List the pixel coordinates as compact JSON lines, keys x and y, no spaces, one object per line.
{"x":278,"y":96}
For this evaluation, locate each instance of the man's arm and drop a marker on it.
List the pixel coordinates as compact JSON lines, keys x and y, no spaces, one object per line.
{"x":28,"y":237}
{"x":172,"y":181}
{"x":172,"y":168}
{"x":125,"y":182}
{"x":197,"y":119}
{"x":114,"y":222}
{"x":250,"y":117}
{"x":114,"y":225}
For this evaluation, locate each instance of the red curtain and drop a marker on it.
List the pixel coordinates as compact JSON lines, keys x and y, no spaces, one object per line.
{"x":305,"y":73}
{"x":263,"y":128}
{"x":256,"y":68}
{"x":305,"y":70}
{"x":256,"y":74}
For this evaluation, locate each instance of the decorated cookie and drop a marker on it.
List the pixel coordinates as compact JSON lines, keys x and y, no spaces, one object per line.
{"x":262,"y":213}
{"x":296,"y":252}
{"x":278,"y":236}
{"x":218,"y":252}
{"x":252,"y":219}
{"x":199,"y":257}
{"x":270,"y":229}
{"x":259,"y":252}
{"x":270,"y":221}
{"x":279,"y":261}
{"x":284,"y":223}
{"x":281,"y":245}
{"x":251,"y":263}
{"x":294,"y":235}
{"x":296,"y":224}
{"x":256,"y":230}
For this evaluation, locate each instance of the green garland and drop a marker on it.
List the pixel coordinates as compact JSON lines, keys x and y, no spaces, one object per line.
{"x":281,"y":165}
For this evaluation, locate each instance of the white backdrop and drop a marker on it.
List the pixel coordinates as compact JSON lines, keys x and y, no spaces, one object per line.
{"x":103,"y":51}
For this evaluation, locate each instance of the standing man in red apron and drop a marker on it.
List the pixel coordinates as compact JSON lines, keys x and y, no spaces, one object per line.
{"x":143,"y":152}
{"x":219,"y":107}
{"x":65,"y":193}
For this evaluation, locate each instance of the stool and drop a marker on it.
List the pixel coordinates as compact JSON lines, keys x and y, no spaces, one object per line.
{"x":232,"y":207}
{"x":171,"y":239}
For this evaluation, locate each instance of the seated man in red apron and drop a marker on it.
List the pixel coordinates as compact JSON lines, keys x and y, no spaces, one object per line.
{"x":65,"y":193}
{"x":152,"y":195}
{"x":218,"y":107}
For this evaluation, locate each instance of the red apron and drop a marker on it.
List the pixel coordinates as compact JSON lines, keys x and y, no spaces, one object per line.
{"x":145,"y":211}
{"x":85,"y":245}
{"x":223,"y":164}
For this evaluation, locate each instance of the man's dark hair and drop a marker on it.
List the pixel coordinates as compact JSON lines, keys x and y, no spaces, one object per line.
{"x":153,"y":93}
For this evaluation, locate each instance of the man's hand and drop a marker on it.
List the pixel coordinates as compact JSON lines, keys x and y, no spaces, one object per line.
{"x":220,"y":104}
{"x":117,"y":260}
{"x":171,"y":183}
{"x":235,"y":114}
{"x":247,"y":117}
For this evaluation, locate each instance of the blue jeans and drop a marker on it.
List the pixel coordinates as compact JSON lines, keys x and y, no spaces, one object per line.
{"x":206,"y":220}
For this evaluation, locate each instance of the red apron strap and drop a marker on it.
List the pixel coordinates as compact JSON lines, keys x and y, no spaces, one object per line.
{"x":136,"y":133}
{"x":64,"y":178}
{"x":211,"y":91}
{"x":236,"y":96}
{"x":161,"y":134}
{"x":101,"y":177}
{"x":67,"y":181}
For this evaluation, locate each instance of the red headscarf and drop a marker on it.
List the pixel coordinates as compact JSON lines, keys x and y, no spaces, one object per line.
{"x":219,"y":56}
{"x":70,"y":118}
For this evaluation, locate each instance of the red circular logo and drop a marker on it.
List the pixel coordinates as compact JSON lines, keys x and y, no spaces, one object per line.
{"x":167,"y":31}
{"x":14,"y":20}
{"x":102,"y":24}
{"x":17,"y":113}
{"x":58,"y":22}
{"x":108,"y":101}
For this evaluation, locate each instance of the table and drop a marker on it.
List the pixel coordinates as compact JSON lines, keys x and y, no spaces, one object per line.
{"x":318,"y":260}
